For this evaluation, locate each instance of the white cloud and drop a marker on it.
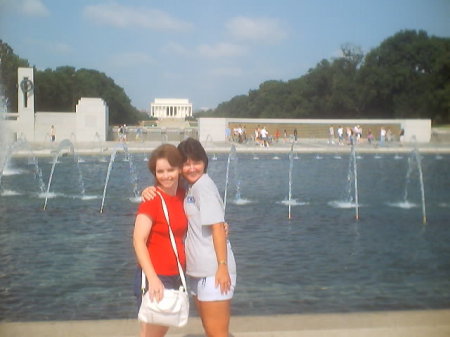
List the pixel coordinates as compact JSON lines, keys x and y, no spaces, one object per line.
{"x":27,"y":7}
{"x":221,"y":50}
{"x":125,"y":17}
{"x":34,"y":8}
{"x":259,"y":30}
{"x":211,"y":51}
{"x":130,"y":59}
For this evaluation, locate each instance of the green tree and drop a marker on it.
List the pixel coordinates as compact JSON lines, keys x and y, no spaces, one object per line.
{"x":407,"y":76}
{"x":8,"y":73}
{"x":60,"y":89}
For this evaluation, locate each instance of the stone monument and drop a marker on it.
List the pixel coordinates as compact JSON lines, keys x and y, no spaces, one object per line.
{"x":25,"y":98}
{"x":89,"y":122}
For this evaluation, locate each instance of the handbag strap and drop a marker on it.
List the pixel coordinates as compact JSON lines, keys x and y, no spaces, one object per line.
{"x":174,"y":246}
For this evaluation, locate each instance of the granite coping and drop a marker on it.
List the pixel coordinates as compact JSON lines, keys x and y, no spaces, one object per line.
{"x":304,"y":146}
{"x":415,"y":323}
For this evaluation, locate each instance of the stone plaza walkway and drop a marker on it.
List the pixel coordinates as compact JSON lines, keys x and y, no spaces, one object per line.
{"x":429,"y":323}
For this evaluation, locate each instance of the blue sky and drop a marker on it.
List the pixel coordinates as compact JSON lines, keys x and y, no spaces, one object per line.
{"x":205,"y":50}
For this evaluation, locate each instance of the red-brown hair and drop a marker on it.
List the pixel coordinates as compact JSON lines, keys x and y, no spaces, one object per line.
{"x":166,"y":151}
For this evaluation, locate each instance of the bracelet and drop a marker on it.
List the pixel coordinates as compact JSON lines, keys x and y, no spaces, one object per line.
{"x":222,"y":262}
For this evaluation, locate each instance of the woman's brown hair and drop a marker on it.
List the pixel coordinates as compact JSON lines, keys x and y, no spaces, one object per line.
{"x":166,"y":151}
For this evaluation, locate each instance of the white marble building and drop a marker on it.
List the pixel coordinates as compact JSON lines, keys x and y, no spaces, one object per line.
{"x":163,"y":108}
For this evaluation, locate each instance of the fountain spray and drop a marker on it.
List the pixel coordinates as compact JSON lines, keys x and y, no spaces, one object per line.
{"x":355,"y":178}
{"x":291,"y":165}
{"x":133,"y":174}
{"x":422,"y":190}
{"x":230,"y":155}
{"x":63,"y":144}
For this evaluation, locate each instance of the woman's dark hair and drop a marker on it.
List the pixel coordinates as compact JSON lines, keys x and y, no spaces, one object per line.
{"x":166,"y":151}
{"x":191,"y":148}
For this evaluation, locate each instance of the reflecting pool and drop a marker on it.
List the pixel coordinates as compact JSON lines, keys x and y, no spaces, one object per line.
{"x":72,"y":262}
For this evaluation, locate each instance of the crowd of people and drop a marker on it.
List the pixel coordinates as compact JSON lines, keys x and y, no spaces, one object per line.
{"x":354,"y":135}
{"x":260,"y":136}
{"x":341,"y":136}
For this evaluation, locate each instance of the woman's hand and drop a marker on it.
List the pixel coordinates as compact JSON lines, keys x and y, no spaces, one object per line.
{"x":149,"y":193}
{"x":155,"y":288}
{"x":223,"y":279}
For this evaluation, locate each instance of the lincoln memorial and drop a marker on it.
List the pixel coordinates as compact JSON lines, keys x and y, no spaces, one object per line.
{"x":171,"y":108}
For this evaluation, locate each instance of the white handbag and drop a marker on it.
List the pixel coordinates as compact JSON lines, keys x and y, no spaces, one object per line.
{"x":173,"y":309}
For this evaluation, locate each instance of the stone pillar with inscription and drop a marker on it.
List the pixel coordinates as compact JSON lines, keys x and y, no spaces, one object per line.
{"x":92,"y":119}
{"x":25,"y":97}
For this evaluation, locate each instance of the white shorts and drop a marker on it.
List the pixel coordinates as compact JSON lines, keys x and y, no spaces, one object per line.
{"x":206,"y":291}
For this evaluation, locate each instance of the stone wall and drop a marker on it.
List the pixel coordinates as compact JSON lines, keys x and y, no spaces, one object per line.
{"x":213,"y":129}
{"x":64,"y":123}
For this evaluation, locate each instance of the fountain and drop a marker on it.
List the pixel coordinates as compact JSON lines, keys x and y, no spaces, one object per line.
{"x":351,"y":198}
{"x":5,"y":159}
{"x":4,"y":137}
{"x":414,"y":161}
{"x":32,"y":160}
{"x":231,"y":156}
{"x":209,"y":143}
{"x":414,"y":166}
{"x":37,"y":171}
{"x":422,"y":189}
{"x":355,"y":181}
{"x":291,"y":165}
{"x":289,"y":201}
{"x":345,"y":270}
{"x":64,"y":144}
{"x":238,"y":199}
{"x":133,"y":175}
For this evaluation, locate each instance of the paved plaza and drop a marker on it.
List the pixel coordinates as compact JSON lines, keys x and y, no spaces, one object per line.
{"x":430,"y":323}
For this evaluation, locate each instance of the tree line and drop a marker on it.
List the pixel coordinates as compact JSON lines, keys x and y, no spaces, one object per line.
{"x":407,"y":76}
{"x":61,"y":88}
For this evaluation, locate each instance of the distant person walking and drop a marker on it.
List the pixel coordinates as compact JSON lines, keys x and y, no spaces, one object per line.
{"x":370,"y":136}
{"x":382,"y":135}
{"x":122,"y":133}
{"x":402,"y":135}
{"x":340,"y":132}
{"x":265,"y":137}
{"x":277,"y":135}
{"x":331,"y":135}
{"x":52,"y":134}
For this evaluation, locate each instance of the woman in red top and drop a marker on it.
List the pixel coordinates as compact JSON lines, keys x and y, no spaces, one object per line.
{"x":151,"y":240}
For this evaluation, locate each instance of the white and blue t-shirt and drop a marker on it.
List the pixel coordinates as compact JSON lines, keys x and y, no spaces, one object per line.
{"x":204,"y":207}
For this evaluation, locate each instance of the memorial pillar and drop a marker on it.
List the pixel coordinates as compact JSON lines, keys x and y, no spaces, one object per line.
{"x":25,"y":106}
